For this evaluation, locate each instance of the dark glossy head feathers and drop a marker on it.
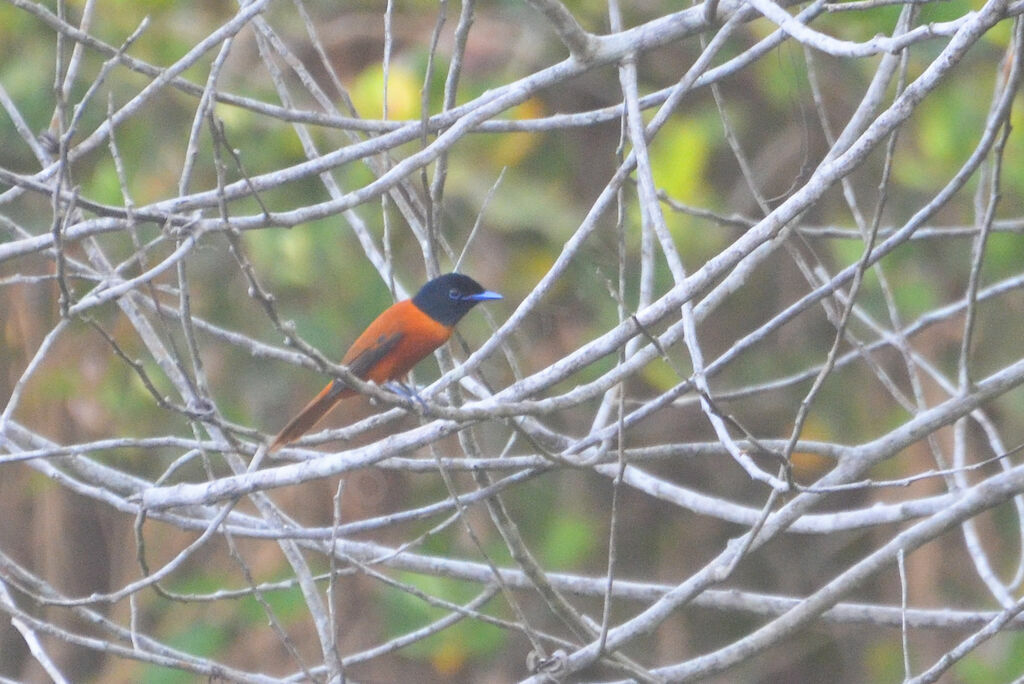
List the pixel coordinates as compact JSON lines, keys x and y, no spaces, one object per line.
{"x":448,"y":298}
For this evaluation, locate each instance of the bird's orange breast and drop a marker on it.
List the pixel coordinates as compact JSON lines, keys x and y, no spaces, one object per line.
{"x":418,"y":335}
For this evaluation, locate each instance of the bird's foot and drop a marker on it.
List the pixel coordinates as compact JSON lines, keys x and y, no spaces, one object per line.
{"x":403,"y":390}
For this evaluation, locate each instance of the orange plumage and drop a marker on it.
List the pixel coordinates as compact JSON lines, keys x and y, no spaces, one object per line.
{"x":396,"y":341}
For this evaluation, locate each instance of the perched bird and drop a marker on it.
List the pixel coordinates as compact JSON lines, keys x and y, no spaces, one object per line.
{"x":396,"y":341}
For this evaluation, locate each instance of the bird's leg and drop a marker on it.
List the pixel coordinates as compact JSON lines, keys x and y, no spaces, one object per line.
{"x":404,"y":390}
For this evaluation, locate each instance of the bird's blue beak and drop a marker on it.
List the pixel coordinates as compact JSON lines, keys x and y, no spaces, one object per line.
{"x":482,"y":296}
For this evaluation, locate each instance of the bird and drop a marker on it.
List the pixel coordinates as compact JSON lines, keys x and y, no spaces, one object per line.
{"x":399,"y":338}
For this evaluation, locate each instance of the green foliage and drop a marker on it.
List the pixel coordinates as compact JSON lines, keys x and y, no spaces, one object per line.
{"x":198,"y":637}
{"x":1000,"y":663}
{"x":570,"y":537}
{"x":1003,"y":254}
{"x":452,"y":649}
{"x":883,"y":659}
{"x":679,"y":159}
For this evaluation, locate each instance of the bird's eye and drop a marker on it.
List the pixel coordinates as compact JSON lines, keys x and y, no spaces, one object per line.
{"x":454,"y":294}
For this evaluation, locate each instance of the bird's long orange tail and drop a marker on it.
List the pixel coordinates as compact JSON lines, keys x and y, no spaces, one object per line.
{"x":310,"y":415}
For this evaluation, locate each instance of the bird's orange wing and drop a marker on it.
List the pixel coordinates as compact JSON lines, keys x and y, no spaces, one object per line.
{"x":363,"y":361}
{"x":417,"y":335}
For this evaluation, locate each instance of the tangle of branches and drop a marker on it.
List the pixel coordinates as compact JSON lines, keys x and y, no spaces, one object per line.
{"x":749,"y":406}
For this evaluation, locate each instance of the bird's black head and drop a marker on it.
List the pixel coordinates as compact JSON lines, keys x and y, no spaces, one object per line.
{"x":448,"y":298}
